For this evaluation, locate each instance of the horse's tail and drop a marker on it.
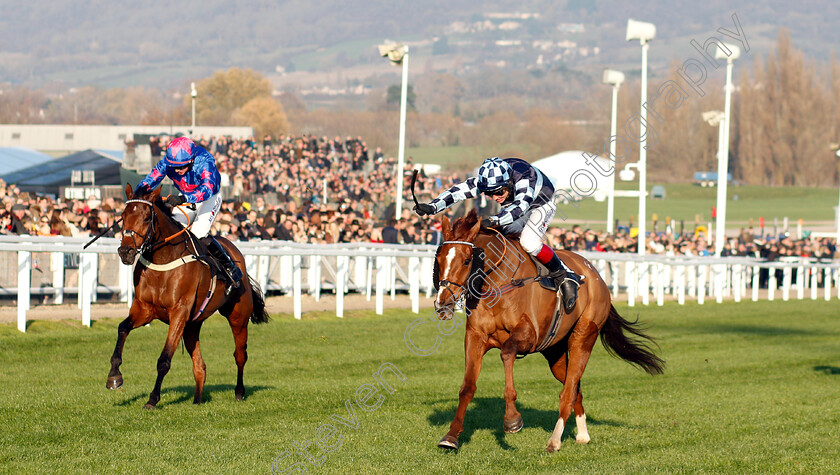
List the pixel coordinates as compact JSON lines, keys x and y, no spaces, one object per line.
{"x":634,"y":351}
{"x":258,"y":315}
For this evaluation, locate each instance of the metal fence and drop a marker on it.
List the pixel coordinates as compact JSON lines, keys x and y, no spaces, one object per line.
{"x":54,"y":267}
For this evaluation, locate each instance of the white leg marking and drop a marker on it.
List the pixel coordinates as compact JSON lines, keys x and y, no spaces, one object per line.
{"x":582,"y":433}
{"x":554,"y":441}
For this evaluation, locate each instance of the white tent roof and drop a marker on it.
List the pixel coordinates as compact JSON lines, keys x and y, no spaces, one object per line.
{"x":560,"y":168}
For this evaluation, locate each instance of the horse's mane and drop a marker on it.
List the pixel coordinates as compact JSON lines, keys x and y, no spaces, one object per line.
{"x":159,"y":204}
{"x":463,"y":225}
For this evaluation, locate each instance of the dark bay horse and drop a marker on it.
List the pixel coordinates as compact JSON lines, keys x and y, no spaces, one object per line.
{"x":172,"y":286}
{"x":508,"y":309}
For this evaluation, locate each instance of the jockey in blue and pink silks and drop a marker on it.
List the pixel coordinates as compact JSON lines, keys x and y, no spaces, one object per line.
{"x":193,"y":171}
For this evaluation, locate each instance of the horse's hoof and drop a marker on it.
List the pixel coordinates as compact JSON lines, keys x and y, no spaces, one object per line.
{"x":149,"y":406}
{"x":448,"y":442}
{"x":114,"y":382}
{"x":513,"y":426}
{"x":552,"y":446}
{"x":582,"y":439}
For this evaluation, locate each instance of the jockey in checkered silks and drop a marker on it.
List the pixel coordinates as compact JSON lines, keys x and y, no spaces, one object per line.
{"x":525,"y":194}
{"x":193,"y":171}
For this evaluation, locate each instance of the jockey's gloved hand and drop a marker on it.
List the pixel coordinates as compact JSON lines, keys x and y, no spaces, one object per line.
{"x":489,"y":222}
{"x":424,"y":209}
{"x":175,"y":200}
{"x":141,"y":189}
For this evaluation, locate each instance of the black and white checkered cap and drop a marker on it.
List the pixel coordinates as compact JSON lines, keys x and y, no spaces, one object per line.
{"x":493,"y":174}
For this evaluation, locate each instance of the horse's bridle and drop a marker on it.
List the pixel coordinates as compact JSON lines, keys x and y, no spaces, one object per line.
{"x":446,"y":283}
{"x":131,"y":233}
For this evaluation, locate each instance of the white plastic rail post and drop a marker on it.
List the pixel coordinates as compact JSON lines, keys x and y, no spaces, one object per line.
{"x":24,"y":279}
{"x":786,"y":280}
{"x":57,"y":265}
{"x":800,"y":281}
{"x":414,"y":283}
{"x":392,"y":277}
{"x":264,"y":273}
{"x":296,"y":283}
{"x":660,"y":284}
{"x":644,"y":282}
{"x":381,"y":282}
{"x":828,"y":272}
{"x":615,"y":276}
{"x":87,"y":284}
{"x":341,"y":265}
{"x":680,"y":278}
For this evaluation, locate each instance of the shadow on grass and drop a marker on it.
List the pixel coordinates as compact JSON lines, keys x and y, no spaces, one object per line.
{"x":757,"y":330}
{"x":833,"y":370}
{"x":188,"y":392}
{"x":488,"y":413}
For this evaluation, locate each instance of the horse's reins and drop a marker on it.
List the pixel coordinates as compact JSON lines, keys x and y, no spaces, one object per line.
{"x":445,"y":283}
{"x":149,"y":234}
{"x":105,"y":231}
{"x":145,"y":243}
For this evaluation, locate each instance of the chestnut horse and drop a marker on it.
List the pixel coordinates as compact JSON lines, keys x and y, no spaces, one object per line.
{"x":508,"y":309}
{"x":172,"y":283}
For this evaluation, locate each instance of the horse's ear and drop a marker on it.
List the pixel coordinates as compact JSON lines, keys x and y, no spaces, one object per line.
{"x":445,"y":228}
{"x":129,"y":193}
{"x":154,"y":195}
{"x":473,"y":214}
{"x":476,"y":227}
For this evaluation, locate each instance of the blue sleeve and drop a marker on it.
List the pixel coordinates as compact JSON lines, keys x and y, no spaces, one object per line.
{"x":154,"y":177}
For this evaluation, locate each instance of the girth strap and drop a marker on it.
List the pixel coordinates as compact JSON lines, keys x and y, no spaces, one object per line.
{"x":169,"y":265}
{"x":554,"y":326}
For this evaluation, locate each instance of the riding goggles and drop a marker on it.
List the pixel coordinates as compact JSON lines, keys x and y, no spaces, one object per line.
{"x":497,"y":192}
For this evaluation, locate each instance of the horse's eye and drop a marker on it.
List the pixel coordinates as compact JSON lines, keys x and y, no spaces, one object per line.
{"x":467,"y":261}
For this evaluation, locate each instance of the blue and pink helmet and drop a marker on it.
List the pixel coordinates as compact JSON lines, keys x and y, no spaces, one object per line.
{"x":180,"y":152}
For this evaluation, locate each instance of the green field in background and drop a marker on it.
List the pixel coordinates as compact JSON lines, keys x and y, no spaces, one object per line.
{"x":748,"y":388}
{"x":685,"y":201}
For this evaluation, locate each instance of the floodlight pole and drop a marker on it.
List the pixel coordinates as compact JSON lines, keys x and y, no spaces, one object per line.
{"x":401,"y":153}
{"x":644,"y":32}
{"x":723,"y":164}
{"x":642,"y":243}
{"x":837,"y":154}
{"x":720,"y":219}
{"x":611,"y":197}
{"x":193,"y":93}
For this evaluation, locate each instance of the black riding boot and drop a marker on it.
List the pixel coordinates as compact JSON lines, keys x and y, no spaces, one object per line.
{"x":232,"y":273}
{"x":567,"y":281}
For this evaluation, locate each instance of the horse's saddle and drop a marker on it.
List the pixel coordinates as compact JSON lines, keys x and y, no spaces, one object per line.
{"x":548,"y":283}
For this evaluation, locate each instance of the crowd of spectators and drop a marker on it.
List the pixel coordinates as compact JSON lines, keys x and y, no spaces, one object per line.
{"x":320,"y":190}
{"x":747,"y":243}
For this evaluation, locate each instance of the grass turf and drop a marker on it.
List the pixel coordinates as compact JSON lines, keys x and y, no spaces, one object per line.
{"x":749,"y":387}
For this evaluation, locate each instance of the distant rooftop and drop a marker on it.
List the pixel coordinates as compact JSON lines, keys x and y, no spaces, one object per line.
{"x":13,"y":159}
